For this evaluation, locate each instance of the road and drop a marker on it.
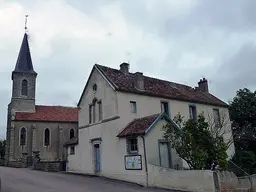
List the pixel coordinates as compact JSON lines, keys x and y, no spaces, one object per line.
{"x":26,"y":180}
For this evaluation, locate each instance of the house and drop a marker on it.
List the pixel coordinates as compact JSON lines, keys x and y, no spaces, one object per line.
{"x":35,"y":128}
{"x":120,"y":120}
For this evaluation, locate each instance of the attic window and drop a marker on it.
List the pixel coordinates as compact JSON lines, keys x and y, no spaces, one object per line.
{"x":94,"y":87}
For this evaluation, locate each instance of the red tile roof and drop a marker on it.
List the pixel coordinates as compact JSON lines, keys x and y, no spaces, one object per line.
{"x":138,"y":126}
{"x":49,"y":113}
{"x":158,"y":88}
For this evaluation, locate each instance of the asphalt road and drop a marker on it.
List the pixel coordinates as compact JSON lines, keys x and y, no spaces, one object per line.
{"x":26,"y":180}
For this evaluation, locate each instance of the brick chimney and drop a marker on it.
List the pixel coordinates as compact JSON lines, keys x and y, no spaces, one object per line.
{"x":124,"y":67}
{"x":203,"y":85}
{"x":139,"y":81}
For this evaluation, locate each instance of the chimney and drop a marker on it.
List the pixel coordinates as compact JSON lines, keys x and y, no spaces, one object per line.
{"x":139,"y":81}
{"x":124,"y":67}
{"x":203,"y":85}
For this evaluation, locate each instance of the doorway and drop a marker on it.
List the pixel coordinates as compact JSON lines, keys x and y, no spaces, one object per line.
{"x":164,"y":154}
{"x":97,"y":163}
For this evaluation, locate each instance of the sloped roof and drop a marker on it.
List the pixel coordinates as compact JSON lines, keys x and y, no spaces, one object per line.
{"x":49,"y":113}
{"x":73,"y":141}
{"x":24,"y":61}
{"x":158,"y":88}
{"x":138,"y":126}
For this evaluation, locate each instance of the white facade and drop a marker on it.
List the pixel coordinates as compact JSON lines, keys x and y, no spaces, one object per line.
{"x":116,"y":114}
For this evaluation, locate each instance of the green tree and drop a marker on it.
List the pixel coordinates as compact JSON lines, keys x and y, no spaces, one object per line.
{"x":243,"y":117}
{"x":195,"y":143}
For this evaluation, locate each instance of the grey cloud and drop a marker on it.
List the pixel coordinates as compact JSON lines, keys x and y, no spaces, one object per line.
{"x":237,"y":71}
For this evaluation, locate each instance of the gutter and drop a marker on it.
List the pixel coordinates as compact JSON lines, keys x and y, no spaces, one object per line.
{"x":145,"y":157}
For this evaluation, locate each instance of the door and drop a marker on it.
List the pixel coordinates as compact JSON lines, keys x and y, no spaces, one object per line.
{"x":97,"y":158}
{"x":164,"y":154}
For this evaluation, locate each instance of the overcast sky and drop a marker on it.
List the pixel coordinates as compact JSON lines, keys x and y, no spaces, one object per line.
{"x":177,"y":40}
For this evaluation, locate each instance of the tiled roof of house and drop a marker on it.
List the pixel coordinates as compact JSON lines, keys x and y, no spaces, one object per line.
{"x":73,"y":141}
{"x":138,"y":126}
{"x":158,"y":88}
{"x":49,"y":113}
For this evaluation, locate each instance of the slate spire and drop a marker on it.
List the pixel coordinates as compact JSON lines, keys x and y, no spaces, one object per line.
{"x":24,"y":61}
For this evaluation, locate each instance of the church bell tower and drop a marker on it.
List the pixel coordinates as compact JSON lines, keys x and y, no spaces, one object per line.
{"x":23,"y":80}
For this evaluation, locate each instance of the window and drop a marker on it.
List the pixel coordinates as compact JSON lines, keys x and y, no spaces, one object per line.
{"x":133,"y":106}
{"x":132,"y":145}
{"x":23,"y":135}
{"x":71,"y":134}
{"x":100,"y":110}
{"x":24,"y":87}
{"x":165,"y":107}
{"x":94,"y":88}
{"x":46,"y":137}
{"x":94,"y":110}
{"x":72,"y":150}
{"x":216,"y":117}
{"x":192,"y":112}
{"x":90,"y":114}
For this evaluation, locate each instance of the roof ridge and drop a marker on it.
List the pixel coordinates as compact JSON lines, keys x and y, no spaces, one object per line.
{"x":57,"y":106}
{"x":159,"y":88}
{"x":167,"y":81}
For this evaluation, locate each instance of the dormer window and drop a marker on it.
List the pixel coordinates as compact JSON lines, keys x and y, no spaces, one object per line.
{"x":24,"y":87}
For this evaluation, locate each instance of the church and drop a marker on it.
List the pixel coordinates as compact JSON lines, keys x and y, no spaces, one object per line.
{"x":35,"y":128}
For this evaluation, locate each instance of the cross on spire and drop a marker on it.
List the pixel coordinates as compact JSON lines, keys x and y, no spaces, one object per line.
{"x":26,"y":20}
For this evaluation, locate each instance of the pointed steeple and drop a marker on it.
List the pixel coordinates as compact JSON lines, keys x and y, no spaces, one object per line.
{"x":24,"y":61}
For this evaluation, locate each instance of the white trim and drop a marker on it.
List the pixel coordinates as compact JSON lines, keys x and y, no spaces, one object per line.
{"x":21,"y":87}
{"x":50,"y":141}
{"x":26,"y":136}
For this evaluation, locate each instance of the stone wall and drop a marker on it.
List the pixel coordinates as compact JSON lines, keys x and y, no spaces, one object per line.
{"x":16,"y":164}
{"x":50,"y":166}
{"x":228,"y":181}
{"x":1,"y":162}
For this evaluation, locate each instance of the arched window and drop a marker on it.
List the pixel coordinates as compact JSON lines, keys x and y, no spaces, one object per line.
{"x":24,"y":87}
{"x":71,"y":133}
{"x":23,"y":135}
{"x":46,"y":137}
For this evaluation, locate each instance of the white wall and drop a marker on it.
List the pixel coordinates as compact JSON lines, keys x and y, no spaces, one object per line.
{"x":104,"y":92}
{"x":152,"y":145}
{"x":191,"y":180}
{"x":151,"y":105}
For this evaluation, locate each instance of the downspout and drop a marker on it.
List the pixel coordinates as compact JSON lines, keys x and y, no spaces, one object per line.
{"x":145,"y":157}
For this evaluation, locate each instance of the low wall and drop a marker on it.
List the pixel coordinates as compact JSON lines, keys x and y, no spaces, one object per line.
{"x":51,"y":166}
{"x":16,"y":164}
{"x":1,"y":162}
{"x":228,"y":181}
{"x":184,"y":180}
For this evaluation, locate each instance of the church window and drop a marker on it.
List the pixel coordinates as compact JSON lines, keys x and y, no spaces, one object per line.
{"x":24,"y":87}
{"x":23,"y":135}
{"x":95,"y":111}
{"x":46,"y":137}
{"x":71,"y":134}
